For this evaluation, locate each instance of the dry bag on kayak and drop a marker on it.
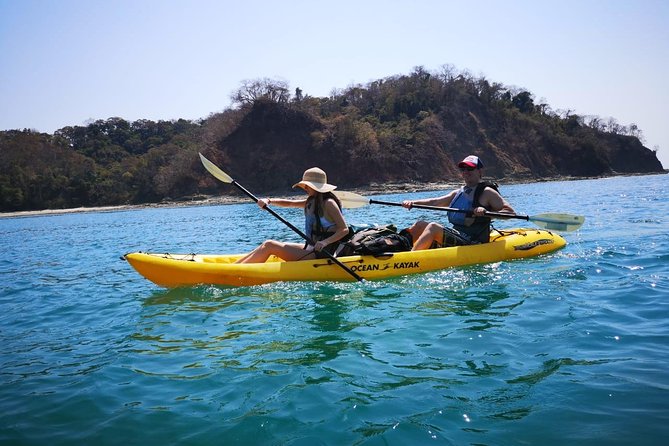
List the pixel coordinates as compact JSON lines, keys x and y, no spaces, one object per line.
{"x":376,"y":240}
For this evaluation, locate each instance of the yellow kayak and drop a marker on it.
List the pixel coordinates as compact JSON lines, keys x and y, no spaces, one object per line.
{"x":178,"y":270}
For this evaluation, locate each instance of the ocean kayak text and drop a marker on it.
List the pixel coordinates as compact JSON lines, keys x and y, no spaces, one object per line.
{"x":379,"y":267}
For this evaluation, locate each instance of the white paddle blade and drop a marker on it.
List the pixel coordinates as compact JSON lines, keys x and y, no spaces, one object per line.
{"x":558,"y":222}
{"x":215,"y":171}
{"x":351,"y":200}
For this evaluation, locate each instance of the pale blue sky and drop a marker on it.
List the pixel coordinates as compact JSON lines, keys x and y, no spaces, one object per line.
{"x":68,"y":61}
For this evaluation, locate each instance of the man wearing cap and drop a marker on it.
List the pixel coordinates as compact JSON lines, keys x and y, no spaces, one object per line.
{"x":468,"y":228}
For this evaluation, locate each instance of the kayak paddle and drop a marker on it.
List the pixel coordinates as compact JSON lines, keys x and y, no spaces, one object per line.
{"x":224,"y":177}
{"x":552,"y":222}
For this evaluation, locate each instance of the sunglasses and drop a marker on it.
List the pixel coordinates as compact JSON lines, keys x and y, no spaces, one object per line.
{"x":468,"y":169}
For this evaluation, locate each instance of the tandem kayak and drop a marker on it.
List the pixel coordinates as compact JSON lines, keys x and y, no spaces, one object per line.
{"x":180,"y":270}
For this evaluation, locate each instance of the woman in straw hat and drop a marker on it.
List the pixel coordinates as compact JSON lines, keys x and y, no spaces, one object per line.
{"x":324,"y":223}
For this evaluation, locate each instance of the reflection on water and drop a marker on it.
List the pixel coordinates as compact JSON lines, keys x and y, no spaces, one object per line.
{"x":240,"y":323}
{"x":478,"y":308}
{"x":327,"y":318}
{"x":552,"y":366}
{"x":215,"y":298}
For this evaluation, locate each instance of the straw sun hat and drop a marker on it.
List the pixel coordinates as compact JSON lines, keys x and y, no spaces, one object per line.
{"x":316,"y":179}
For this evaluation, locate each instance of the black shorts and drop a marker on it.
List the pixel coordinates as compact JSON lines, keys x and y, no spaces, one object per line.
{"x":452,"y":237}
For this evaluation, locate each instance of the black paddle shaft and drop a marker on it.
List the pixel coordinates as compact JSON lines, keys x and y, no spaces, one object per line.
{"x":297,"y":231}
{"x":463,"y":211}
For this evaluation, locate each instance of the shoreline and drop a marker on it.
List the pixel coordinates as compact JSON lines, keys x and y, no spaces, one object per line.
{"x":217,"y":200}
{"x":372,"y":189}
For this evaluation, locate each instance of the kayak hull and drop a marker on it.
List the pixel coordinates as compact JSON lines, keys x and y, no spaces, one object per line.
{"x":181,"y":270}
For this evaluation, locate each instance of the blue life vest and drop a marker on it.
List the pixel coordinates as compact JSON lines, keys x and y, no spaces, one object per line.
{"x":464,"y":199}
{"x":475,"y":229}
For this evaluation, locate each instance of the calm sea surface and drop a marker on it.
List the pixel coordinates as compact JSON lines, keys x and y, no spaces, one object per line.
{"x":569,"y":348}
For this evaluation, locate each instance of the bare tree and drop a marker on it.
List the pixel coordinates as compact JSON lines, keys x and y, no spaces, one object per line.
{"x":268,"y":89}
{"x":635,"y":131}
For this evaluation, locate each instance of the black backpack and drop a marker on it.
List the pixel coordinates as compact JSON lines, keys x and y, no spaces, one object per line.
{"x":376,"y":240}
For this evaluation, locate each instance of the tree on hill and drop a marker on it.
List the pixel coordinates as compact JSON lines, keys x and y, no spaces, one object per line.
{"x":261,"y":90}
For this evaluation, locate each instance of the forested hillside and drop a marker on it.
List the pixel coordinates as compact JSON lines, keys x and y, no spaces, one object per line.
{"x":411,"y":127}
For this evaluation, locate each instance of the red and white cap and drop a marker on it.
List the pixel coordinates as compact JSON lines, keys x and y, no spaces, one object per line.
{"x":471,"y":161}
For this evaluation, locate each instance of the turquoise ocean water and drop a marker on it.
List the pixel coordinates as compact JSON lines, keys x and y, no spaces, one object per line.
{"x":569,"y":348}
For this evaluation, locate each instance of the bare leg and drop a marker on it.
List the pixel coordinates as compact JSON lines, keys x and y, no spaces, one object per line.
{"x":285,"y":251}
{"x":424,"y":234}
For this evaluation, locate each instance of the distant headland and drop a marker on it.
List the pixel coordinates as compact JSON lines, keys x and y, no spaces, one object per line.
{"x":404,"y":129}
